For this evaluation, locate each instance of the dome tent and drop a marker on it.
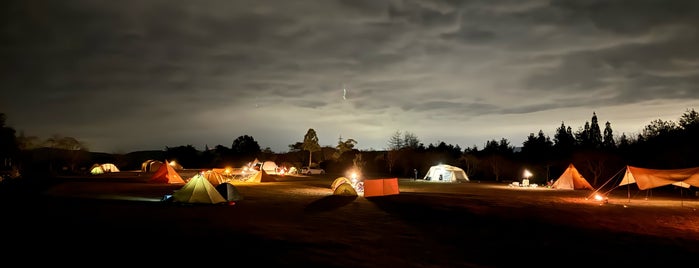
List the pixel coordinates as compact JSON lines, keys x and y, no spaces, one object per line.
{"x":446,"y":173}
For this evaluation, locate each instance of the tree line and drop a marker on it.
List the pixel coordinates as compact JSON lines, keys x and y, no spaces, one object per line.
{"x":597,"y":152}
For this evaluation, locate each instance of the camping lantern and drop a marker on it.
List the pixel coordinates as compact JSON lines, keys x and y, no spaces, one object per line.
{"x":601,"y":198}
{"x":527,"y":175}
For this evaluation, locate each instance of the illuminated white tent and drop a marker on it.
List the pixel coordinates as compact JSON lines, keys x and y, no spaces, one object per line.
{"x":446,"y":173}
{"x":270,"y":167}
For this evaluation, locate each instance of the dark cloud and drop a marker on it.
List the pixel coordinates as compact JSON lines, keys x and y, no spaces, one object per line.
{"x":113,"y":72}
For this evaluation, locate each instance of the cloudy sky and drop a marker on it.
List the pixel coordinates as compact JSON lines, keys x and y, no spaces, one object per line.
{"x":134,"y":75}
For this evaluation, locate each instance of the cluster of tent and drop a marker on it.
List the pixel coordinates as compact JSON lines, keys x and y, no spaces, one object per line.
{"x":644,"y":178}
{"x":209,"y":186}
{"x":213,"y":186}
{"x":200,"y":190}
{"x":206,"y":187}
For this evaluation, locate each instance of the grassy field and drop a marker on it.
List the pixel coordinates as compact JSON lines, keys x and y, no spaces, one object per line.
{"x":120,"y":219}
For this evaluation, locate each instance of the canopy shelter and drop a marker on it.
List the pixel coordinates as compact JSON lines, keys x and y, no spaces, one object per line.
{"x":647,"y":178}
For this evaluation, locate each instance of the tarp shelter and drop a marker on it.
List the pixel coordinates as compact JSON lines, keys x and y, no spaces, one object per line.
{"x":229,"y":192}
{"x":345,"y":189}
{"x":166,"y":174}
{"x":571,"y":179}
{"x":339,"y":181}
{"x":198,"y":190}
{"x":647,"y":178}
{"x":103,"y":168}
{"x":446,"y":173}
{"x":379,"y":187}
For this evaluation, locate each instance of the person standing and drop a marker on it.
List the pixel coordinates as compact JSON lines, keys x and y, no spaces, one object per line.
{"x":415,"y":171}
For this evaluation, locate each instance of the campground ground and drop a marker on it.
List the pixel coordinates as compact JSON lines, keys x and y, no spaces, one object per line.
{"x":296,"y":220}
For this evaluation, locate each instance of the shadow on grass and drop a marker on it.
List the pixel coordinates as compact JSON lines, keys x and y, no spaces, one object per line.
{"x":329,"y":203}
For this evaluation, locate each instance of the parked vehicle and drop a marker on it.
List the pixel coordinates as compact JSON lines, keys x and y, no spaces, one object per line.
{"x":312,"y":171}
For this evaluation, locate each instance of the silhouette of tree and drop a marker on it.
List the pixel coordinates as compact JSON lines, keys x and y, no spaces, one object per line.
{"x":582,"y":136}
{"x":245,"y":147}
{"x":67,"y":147}
{"x":497,"y":156}
{"x":395,"y":142}
{"x":187,"y":156}
{"x":27,"y":142}
{"x":689,"y":120}
{"x":608,"y":140}
{"x":595,"y":133}
{"x":344,"y":146}
{"x":296,"y":147}
{"x":9,"y":148}
{"x":658,"y":127}
{"x":537,"y":147}
{"x":564,"y":141}
{"x":310,"y":144}
{"x":410,"y":140}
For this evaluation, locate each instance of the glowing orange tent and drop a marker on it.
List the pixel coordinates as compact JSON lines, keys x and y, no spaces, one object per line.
{"x":213,"y":177}
{"x":166,"y":174}
{"x":571,"y":179}
{"x":379,"y":187}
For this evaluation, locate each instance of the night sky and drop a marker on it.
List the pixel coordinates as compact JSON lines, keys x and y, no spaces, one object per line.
{"x":130,"y":75}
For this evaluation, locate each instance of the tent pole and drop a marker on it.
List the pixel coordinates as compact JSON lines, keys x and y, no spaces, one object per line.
{"x":628,"y":186}
{"x":681,"y":198}
{"x":628,"y":193}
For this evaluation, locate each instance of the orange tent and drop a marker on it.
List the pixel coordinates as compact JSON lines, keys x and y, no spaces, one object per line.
{"x":166,"y":174}
{"x":213,"y":177}
{"x":379,"y":187}
{"x":261,"y":176}
{"x":571,"y":179}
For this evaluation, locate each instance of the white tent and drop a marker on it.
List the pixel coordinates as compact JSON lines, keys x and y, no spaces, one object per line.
{"x":270,"y":167}
{"x":446,"y":173}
